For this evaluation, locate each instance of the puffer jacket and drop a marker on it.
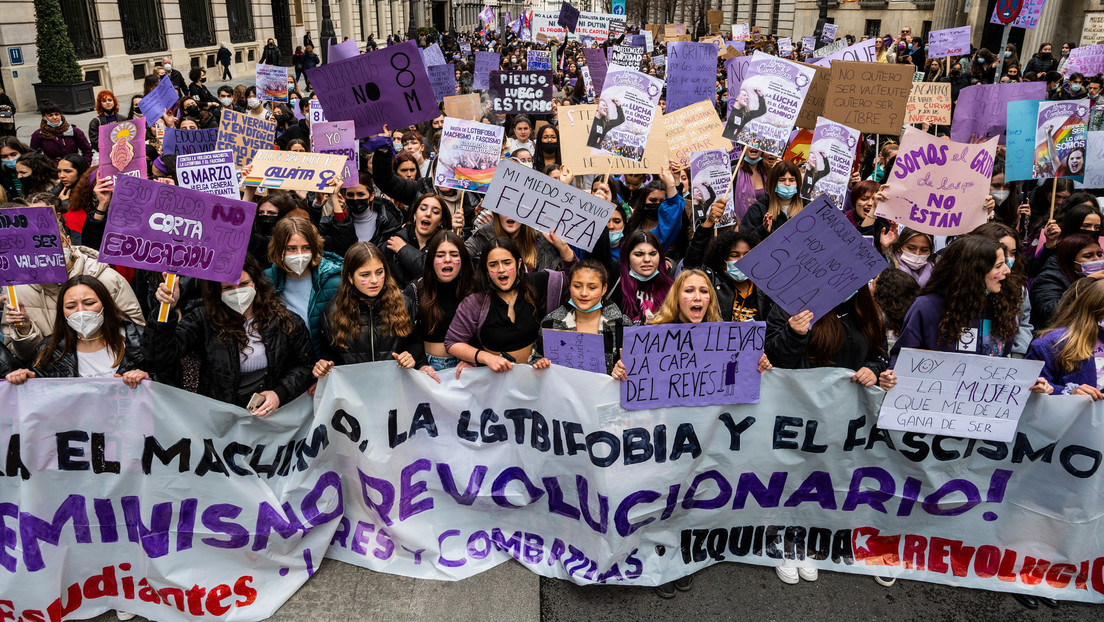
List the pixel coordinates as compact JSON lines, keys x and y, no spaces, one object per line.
{"x":1046,"y":292}
{"x":408,"y":262}
{"x":325,"y":279}
{"x":340,"y":235}
{"x":40,"y":302}
{"x":753,"y":219}
{"x":548,"y":258}
{"x":611,"y":327}
{"x":371,"y":344}
{"x":65,"y":366}
{"x":8,"y":363}
{"x":289,"y":356}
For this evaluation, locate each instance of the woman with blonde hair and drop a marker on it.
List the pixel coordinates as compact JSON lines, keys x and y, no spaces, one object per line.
{"x":1072,"y":349}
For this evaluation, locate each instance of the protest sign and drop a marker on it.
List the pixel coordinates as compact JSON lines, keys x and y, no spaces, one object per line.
{"x":813,"y":106}
{"x":862,"y":52}
{"x":756,"y":33}
{"x":679,"y":365}
{"x":980,"y":110}
{"x":660,"y":61}
{"x":694,"y":128}
{"x":180,"y":142}
{"x":936,"y":186}
{"x":929,"y":102}
{"x":465,"y":48}
{"x":829,"y":32}
{"x":785,"y":46}
{"x":469,"y":153}
{"x":714,"y":18}
{"x":870,"y":97}
{"x":468,"y":107}
{"x":831,"y":48}
{"x":691,"y":74}
{"x":272,"y":83}
{"x":717,"y":41}
{"x":808,"y":44}
{"x":30,"y":247}
{"x":485,"y":63}
{"x":1028,"y":18}
{"x":627,"y":56}
{"x":814,"y":261}
{"x":122,"y":150}
{"x":626,"y":110}
{"x":343,"y":50}
{"x":317,"y":115}
{"x":1092,"y":32}
{"x":388,"y":86}
{"x":539,"y":60}
{"x":959,"y":395}
{"x":443,"y":79}
{"x":1060,"y":139}
{"x":547,"y":205}
{"x":576,"y":350}
{"x":433,"y":55}
{"x":156,"y":102}
{"x":949,"y":42}
{"x":338,"y":138}
{"x":1019,"y":156}
{"x":295,"y":170}
{"x":736,"y":69}
{"x":1087,"y":60}
{"x":827,"y":169}
{"x":617,"y":28}
{"x":649,"y":41}
{"x":574,"y":125}
{"x":596,"y":61}
{"x":244,"y":135}
{"x":740,"y":32}
{"x":709,"y":175}
{"x":569,"y":17}
{"x":521,"y":92}
{"x":1094,"y":160}
{"x":594,"y":25}
{"x":768,"y":103}
{"x":212,"y":172}
{"x":166,"y":228}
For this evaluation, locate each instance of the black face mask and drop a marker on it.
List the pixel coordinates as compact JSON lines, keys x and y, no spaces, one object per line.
{"x":1091,"y":234}
{"x":358,"y":206}
{"x":549,"y":147}
{"x":265,"y":223}
{"x":192,"y":111}
{"x":651,"y":210}
{"x":1046,"y":56}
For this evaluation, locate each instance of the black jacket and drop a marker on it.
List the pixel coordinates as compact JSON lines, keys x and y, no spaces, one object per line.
{"x":371,"y":345}
{"x":407,"y":191}
{"x":66,"y":365}
{"x":270,"y":56}
{"x":753,"y":219}
{"x":94,"y":128}
{"x":8,"y":362}
{"x":224,"y":57}
{"x":290,"y":356}
{"x":1046,"y":292}
{"x":722,"y":284}
{"x":787,"y":349}
{"x":407,"y":264}
{"x":341,"y":234}
{"x":299,"y":131}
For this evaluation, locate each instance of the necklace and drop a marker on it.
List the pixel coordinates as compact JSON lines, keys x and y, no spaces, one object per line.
{"x":90,"y":338}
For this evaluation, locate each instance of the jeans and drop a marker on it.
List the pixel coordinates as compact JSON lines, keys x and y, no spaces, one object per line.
{"x":441,"y":362}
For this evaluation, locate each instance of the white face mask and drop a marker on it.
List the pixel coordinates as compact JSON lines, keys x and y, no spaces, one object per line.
{"x":253,"y":102}
{"x":913,"y":261}
{"x":226,"y":101}
{"x":85,"y":323}
{"x":298,"y":263}
{"x":239,"y":298}
{"x":1000,"y":196}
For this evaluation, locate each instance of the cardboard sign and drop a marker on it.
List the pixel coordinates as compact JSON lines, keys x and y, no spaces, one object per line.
{"x":627,"y":56}
{"x":960,"y":395}
{"x":528,"y":92}
{"x":122,"y":150}
{"x":768,"y":102}
{"x":582,"y":351}
{"x":1060,"y":139}
{"x":244,"y":135}
{"x":213,"y":173}
{"x":539,"y":60}
{"x":1019,"y":144}
{"x":443,"y":79}
{"x":831,"y":48}
{"x":569,"y":17}
{"x":468,"y":107}
{"x":294,"y":170}
{"x":980,"y":110}
{"x":388,"y":86}
{"x":469,"y":154}
{"x":574,"y":125}
{"x":814,"y":261}
{"x":596,"y":62}
{"x":827,"y":169}
{"x":949,"y":42}
{"x":673,"y":365}
{"x":272,"y":83}
{"x":180,"y":142}
{"x":709,"y":174}
{"x":30,"y":247}
{"x":813,"y":106}
{"x":1087,"y":60}
{"x":485,"y":63}
{"x":165,"y":228}
{"x":625,"y":113}
{"x":617,"y":28}
{"x":929,"y":102}
{"x":936,"y":186}
{"x":547,"y":205}
{"x":870,"y":97}
{"x":338,"y":138}
{"x":695,"y":128}
{"x":691,"y":74}
{"x":156,"y":102}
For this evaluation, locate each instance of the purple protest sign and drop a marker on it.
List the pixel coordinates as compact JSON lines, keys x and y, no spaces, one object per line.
{"x":808,"y":44}
{"x":735,"y":70}
{"x":814,"y":261}
{"x":1028,"y":17}
{"x":443,"y":79}
{"x":485,"y":63}
{"x":338,"y":138}
{"x":768,"y":103}
{"x":672,"y":365}
{"x":949,"y":42}
{"x":1087,"y":60}
{"x":575,"y":350}
{"x":343,"y":50}
{"x":691,"y":74}
{"x":166,"y":228}
{"x":980,"y":112}
{"x":827,"y":169}
{"x":156,"y":102}
{"x":569,"y":17}
{"x":30,"y":247}
{"x":389,"y":86}
{"x":596,"y":61}
{"x":184,"y":142}
{"x":122,"y":150}
{"x":433,"y":55}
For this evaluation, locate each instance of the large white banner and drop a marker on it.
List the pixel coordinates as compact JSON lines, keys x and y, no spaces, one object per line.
{"x":177,"y":507}
{"x":590,"y":25}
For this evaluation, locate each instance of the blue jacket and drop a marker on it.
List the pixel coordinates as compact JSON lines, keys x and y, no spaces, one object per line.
{"x":670,"y":218}
{"x":1046,"y":349}
{"x":921,"y":331}
{"x":325,"y":279}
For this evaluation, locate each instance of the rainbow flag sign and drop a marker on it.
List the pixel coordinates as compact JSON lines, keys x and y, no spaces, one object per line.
{"x":1061,"y":136}
{"x":470,"y":152}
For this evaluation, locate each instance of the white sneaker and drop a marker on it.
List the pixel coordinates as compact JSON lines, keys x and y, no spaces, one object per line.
{"x":124,"y":615}
{"x":808,"y":574}
{"x":885,"y":581}
{"x":788,"y":574}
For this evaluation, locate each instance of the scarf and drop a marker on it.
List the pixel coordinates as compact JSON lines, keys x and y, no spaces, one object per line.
{"x":53,"y":133}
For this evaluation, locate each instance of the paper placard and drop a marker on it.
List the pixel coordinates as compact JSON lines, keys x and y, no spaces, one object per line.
{"x":468,"y":107}
{"x":180,"y":142}
{"x":980,"y":110}
{"x":524,"y":92}
{"x":574,"y":125}
{"x":156,"y":102}
{"x":539,"y":60}
{"x":694,"y":128}
{"x":294,"y":170}
{"x":30,"y":247}
{"x":443,"y":79}
{"x":691,"y":74}
{"x":469,"y":153}
{"x":949,"y":42}
{"x":1087,"y":60}
{"x":1060,"y":139}
{"x":870,"y":97}
{"x":583,"y":351}
{"x":485,"y":63}
{"x":709,"y":174}
{"x":272,"y":83}
{"x":1019,"y":144}
{"x":626,"y":112}
{"x":244,"y":135}
{"x":827,"y":169}
{"x":122,"y":150}
{"x":768,"y":102}
{"x":213,"y":172}
{"x":338,"y":138}
{"x":929,"y":102}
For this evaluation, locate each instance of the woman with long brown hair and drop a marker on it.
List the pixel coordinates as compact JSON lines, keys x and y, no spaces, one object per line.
{"x":537,"y":253}
{"x":1073,"y":345}
{"x":447,"y":278}
{"x":778,"y":204}
{"x":406,"y":249}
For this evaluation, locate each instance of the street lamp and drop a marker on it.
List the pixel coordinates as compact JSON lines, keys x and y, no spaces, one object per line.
{"x":328,"y":33}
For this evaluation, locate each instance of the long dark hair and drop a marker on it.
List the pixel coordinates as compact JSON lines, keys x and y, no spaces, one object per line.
{"x":66,"y":338}
{"x":826,"y":334}
{"x":429,"y":311}
{"x":78,"y":163}
{"x":522,"y":284}
{"x":959,"y":277}
{"x":895,"y":292}
{"x":1074,"y":211}
{"x":540,"y":144}
{"x":43,"y":173}
{"x":636,"y":220}
{"x":1066,"y":253}
{"x":996,"y":231}
{"x":345,"y":316}
{"x":657,"y":288}
{"x":267,"y":309}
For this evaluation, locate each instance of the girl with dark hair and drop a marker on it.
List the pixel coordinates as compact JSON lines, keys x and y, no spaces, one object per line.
{"x":70,"y":169}
{"x":913,"y":253}
{"x":163,"y":169}
{"x":406,"y":249}
{"x":192,"y":108}
{"x":894,"y":291}
{"x":547,"y":149}
{"x":447,"y":278}
{"x":1077,"y":212}
{"x":198,"y":90}
{"x":10,"y":151}
{"x":304,"y":276}
{"x":1072,"y":348}
{"x":615,"y":228}
{"x":135,"y":107}
{"x":1077,"y":255}
{"x":36,"y":172}
{"x":520,"y":135}
{"x":778,"y":204}
{"x":644,"y":281}
{"x":246,"y":340}
{"x":537,"y":253}
{"x":56,"y":138}
{"x":498,"y":324}
{"x":107,"y":111}
{"x":370,"y":319}
{"x":738,"y":298}
{"x":415,"y":146}
{"x":1042,"y":62}
{"x":859,"y":208}
{"x":1017,"y":277}
{"x":750,"y":183}
{"x":658,"y":210}
{"x":92,"y":338}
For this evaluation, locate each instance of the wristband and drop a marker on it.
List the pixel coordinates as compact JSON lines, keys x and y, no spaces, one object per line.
{"x":477,"y":357}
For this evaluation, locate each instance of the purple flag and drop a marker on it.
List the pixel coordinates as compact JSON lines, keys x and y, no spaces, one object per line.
{"x":166,"y":228}
{"x":30,"y":247}
{"x":691,"y":74}
{"x":487,"y":15}
{"x":980,"y":112}
{"x":156,"y":102}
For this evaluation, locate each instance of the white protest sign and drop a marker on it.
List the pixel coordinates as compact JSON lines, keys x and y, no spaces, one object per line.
{"x":527,"y":196}
{"x":212,"y":172}
{"x":962,"y":395}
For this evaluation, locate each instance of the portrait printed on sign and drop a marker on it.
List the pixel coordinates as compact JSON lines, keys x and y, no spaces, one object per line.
{"x":1060,"y":139}
{"x":626,"y":109}
{"x":767,"y":104}
{"x":827,"y":168}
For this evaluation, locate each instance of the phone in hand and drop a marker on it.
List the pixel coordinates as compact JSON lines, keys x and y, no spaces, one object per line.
{"x":256,"y":400}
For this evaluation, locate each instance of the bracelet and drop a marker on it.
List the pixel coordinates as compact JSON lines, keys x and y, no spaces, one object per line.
{"x":477,"y":356}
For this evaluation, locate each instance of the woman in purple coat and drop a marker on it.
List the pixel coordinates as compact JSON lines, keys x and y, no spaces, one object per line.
{"x":1072,"y":349}
{"x":56,"y":138}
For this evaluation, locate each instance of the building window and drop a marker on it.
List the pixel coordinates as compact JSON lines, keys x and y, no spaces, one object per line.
{"x":198,"y":24}
{"x":83,"y":27}
{"x":143,"y":26}
{"x":298,"y":12}
{"x":240,"y":15}
{"x":925,"y":28}
{"x":873,"y":28}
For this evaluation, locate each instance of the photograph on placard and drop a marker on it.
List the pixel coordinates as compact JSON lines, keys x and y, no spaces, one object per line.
{"x":626,"y":109}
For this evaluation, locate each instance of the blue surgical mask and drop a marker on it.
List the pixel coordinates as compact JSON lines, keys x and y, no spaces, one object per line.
{"x":734,"y":272}
{"x":594,"y":308}
{"x":1010,"y":261}
{"x":1007,"y":54}
{"x":397,"y":145}
{"x":785,"y":192}
{"x":753,"y":161}
{"x":615,"y":237}
{"x":1075,"y":88}
{"x":10,"y":163}
{"x":58,"y":124}
{"x":639,"y":277}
